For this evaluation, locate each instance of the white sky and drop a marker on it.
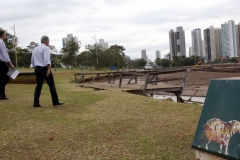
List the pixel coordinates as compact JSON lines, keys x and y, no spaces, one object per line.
{"x":134,"y":24}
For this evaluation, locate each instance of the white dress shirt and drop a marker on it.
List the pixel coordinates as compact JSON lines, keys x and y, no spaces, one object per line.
{"x":41,"y":56}
{"x":3,"y":52}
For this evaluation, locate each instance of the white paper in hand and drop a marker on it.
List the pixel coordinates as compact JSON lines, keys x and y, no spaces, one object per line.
{"x":13,"y":73}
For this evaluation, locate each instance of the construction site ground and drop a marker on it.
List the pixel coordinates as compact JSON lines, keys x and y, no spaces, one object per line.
{"x":197,"y":81}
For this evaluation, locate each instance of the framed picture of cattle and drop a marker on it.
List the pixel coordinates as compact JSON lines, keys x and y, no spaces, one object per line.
{"x":218,"y":129}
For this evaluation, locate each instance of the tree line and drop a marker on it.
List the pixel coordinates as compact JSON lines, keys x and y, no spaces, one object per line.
{"x":94,"y":56}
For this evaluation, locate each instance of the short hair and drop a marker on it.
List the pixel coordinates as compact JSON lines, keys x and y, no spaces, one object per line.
{"x":44,"y":39}
{"x":2,"y":32}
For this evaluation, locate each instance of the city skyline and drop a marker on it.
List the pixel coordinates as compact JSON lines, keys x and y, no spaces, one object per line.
{"x":145,"y":26}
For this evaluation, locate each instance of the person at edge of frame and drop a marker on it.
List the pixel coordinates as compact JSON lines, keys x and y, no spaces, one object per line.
{"x":5,"y":63}
{"x":41,"y":62}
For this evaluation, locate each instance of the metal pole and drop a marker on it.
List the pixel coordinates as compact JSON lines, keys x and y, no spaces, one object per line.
{"x":96,"y":51}
{"x":15,"y":45}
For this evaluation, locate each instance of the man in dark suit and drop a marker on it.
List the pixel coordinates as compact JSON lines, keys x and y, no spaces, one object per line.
{"x":41,"y":62}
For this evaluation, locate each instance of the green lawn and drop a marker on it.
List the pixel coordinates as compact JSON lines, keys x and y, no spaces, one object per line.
{"x":92,"y":125}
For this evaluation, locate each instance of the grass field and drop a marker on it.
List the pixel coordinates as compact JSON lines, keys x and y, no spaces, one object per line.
{"x":94,"y":125}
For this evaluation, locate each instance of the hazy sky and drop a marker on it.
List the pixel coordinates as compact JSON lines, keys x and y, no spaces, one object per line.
{"x":134,"y":24}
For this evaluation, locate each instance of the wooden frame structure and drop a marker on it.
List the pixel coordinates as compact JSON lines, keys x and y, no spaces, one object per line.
{"x":151,"y":77}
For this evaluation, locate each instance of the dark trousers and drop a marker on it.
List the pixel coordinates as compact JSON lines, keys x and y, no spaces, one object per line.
{"x":40,"y":73}
{"x":4,"y":78}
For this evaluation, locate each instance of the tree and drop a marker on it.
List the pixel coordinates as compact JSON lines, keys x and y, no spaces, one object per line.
{"x":139,"y":63}
{"x":83,"y":60}
{"x":56,"y":59}
{"x":31,"y":46}
{"x":165,"y":63}
{"x":128,"y":62}
{"x":120,"y":54}
{"x":158,"y":61}
{"x":69,"y":52}
{"x":24,"y":57}
{"x":93,"y":56}
{"x":10,"y":47}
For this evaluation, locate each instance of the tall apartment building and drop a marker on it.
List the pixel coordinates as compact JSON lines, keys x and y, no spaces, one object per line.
{"x":104,"y":45}
{"x":144,"y":55}
{"x":206,"y":35}
{"x":177,"y":42}
{"x":212,"y":41}
{"x":218,"y":42}
{"x":238,"y":38}
{"x":172,"y":44}
{"x":229,"y":45}
{"x":204,"y":51}
{"x":190,"y":51}
{"x":197,"y":43}
{"x":209,"y":39}
{"x":158,"y":54}
{"x":69,"y":38}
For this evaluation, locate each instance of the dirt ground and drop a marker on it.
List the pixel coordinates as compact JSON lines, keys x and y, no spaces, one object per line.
{"x":199,"y":81}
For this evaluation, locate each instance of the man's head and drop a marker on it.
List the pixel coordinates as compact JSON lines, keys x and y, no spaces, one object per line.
{"x":2,"y":34}
{"x":45,"y":40}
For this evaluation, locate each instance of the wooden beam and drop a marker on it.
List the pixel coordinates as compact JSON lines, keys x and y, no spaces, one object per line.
{"x":131,"y":78}
{"x":120,"y":80}
{"x":146,"y":83}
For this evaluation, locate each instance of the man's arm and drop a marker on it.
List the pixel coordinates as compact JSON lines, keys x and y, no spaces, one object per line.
{"x":47,"y":61}
{"x":48,"y":70}
{"x":5,"y":55}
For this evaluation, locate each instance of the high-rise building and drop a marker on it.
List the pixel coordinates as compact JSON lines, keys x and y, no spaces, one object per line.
{"x":158,"y":54}
{"x":177,"y":42}
{"x":197,"y":43}
{"x":69,"y":38}
{"x":144,"y":55}
{"x":238,"y":38}
{"x":204,"y":51}
{"x":212,"y":41}
{"x":102,"y":44}
{"x":64,"y":41}
{"x":218,"y":42}
{"x":168,"y":56}
{"x":190,"y":51}
{"x":229,"y":45}
{"x":206,"y":35}
{"x":209,"y":39}
{"x":172,"y":44}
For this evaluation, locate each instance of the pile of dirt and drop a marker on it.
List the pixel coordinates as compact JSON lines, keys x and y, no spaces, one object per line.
{"x":199,"y":80}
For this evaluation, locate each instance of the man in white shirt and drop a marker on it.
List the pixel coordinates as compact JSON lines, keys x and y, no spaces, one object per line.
{"x":41,"y":63}
{"x":4,"y":62}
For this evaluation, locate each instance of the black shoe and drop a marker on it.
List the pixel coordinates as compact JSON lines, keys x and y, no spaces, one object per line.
{"x":37,"y":105}
{"x":59,"y":103}
{"x":4,"y":98}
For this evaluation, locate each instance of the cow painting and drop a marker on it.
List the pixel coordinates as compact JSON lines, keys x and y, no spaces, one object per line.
{"x":216,"y":130}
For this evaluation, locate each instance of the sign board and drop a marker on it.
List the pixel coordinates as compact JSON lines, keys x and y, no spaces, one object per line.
{"x":113,"y":68}
{"x":218,"y":129}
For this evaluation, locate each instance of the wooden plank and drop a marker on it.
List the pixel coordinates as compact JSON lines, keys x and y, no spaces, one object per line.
{"x":167,"y":72}
{"x":135,"y":78}
{"x":75,"y":78}
{"x":146,"y":83}
{"x":131,"y":78}
{"x":168,"y":79}
{"x":120,"y":80}
{"x":111,"y":78}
